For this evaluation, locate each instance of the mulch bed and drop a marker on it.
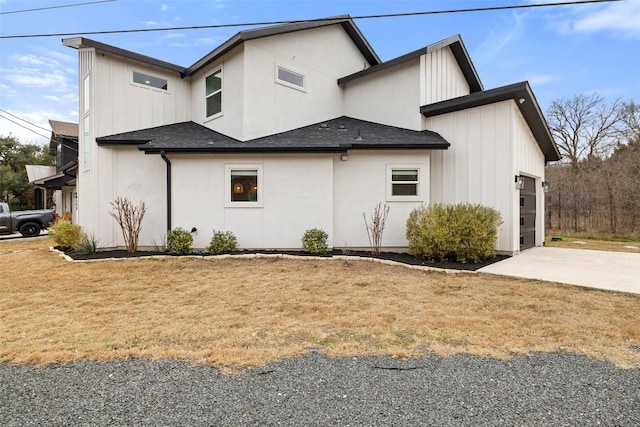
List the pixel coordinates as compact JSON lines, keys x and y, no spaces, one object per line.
{"x":391,"y":256}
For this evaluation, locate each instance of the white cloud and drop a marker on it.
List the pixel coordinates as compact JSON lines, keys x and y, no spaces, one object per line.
{"x":622,"y":18}
{"x":150,"y":23}
{"x":173,"y":36}
{"x":164,"y":7}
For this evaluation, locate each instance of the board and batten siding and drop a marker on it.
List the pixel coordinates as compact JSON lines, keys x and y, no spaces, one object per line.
{"x":117,"y":105}
{"x":441,"y":77}
{"x":478,"y":167}
{"x":529,"y":161}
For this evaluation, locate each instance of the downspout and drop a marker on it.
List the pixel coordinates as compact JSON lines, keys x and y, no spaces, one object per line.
{"x":166,"y":160}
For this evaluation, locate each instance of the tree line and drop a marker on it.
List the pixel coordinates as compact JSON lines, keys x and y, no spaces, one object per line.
{"x":595,"y":189}
{"x":15,"y":188}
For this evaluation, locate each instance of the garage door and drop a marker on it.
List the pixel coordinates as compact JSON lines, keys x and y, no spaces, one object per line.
{"x":528,"y":214}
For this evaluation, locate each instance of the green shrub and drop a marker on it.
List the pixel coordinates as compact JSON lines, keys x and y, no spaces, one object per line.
{"x":222,"y":241}
{"x":314,"y":240}
{"x":179,"y":240}
{"x":89,"y":245}
{"x":66,"y":234}
{"x":462,"y":232}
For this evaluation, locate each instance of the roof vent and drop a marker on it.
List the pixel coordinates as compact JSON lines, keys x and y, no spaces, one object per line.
{"x":342,"y":128}
{"x":358,"y":138}
{"x":324,"y":126}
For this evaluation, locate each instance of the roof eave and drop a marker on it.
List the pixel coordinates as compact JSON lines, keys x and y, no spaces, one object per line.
{"x":81,"y":43}
{"x":345,"y":20}
{"x":458,"y":49}
{"x":524,"y":98}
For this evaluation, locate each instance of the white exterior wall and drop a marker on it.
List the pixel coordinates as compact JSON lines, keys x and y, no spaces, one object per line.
{"x":391,"y":96}
{"x":361,"y":182}
{"x":441,"y":77}
{"x":529,"y":161}
{"x":490,"y":145}
{"x":255,"y":105}
{"x":231,"y":121}
{"x":117,"y":105}
{"x":321,"y":55}
{"x":478,"y":167}
{"x":296,"y":192}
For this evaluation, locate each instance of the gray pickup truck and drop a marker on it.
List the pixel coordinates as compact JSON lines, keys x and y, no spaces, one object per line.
{"x":27,"y":223}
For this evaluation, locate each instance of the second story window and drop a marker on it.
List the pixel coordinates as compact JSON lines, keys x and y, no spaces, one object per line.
{"x":213,"y":83}
{"x":147,"y":80}
{"x":289,"y":78}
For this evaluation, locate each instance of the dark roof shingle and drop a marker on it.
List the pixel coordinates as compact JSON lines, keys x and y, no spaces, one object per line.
{"x":336,"y":135}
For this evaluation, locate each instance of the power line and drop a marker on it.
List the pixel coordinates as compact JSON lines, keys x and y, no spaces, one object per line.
{"x":55,"y":7}
{"x":24,"y":120}
{"x":22,"y":126}
{"x":389,"y":15}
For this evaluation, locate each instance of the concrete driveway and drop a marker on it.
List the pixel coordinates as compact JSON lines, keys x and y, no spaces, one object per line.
{"x":615,"y":271}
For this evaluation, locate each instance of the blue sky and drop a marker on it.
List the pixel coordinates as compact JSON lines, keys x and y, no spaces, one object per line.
{"x":561,"y":51}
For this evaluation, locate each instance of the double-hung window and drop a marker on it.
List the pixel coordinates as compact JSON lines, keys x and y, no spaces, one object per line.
{"x":213,"y":83}
{"x":405,"y":182}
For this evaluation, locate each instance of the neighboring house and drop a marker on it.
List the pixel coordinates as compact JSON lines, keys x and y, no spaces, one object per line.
{"x":61,"y":178}
{"x":296,"y":126}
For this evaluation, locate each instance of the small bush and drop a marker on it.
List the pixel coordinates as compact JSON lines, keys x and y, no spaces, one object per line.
{"x":179,"y":240}
{"x":89,"y":245}
{"x":66,"y":234}
{"x":314,"y":241}
{"x":222,"y":241}
{"x":463,"y":232}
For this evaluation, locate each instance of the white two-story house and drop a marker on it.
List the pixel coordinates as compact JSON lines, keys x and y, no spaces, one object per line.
{"x":299,"y":126}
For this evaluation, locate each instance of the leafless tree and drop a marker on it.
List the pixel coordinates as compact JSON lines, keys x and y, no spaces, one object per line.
{"x":597,"y":188}
{"x":376,"y":227}
{"x":129,"y":218}
{"x":585,"y":126}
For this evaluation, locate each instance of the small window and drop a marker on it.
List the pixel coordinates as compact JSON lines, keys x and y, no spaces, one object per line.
{"x":404,"y":182}
{"x":213,"y":84}
{"x":290,"y":78}
{"x":147,"y":80}
{"x":244,"y":185}
{"x":407,"y":182}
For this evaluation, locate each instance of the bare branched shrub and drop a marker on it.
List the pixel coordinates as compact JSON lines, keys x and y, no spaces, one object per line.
{"x":375,"y":228}
{"x":129,"y":219}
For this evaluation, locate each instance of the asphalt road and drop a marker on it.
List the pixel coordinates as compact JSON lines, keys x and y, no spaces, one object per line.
{"x":544,"y":389}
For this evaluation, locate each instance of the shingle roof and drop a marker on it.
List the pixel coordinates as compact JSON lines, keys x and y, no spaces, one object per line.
{"x":67,"y":129}
{"x":524,"y":98}
{"x":337,"y":135}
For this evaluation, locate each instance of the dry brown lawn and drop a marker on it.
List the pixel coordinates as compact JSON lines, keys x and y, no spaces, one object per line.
{"x":246,"y":312}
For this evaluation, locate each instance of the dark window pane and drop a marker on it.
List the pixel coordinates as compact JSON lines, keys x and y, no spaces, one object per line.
{"x":147,"y":80}
{"x":404,"y":175}
{"x":404,"y":189}
{"x":214,"y":82}
{"x":244,"y":186}
{"x":290,"y":77}
{"x":214,"y":104}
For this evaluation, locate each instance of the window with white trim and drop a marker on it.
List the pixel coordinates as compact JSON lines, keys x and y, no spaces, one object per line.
{"x":289,"y":78}
{"x":404,"y":182}
{"x":213,"y":93}
{"x":149,"y":80}
{"x":244,"y":185}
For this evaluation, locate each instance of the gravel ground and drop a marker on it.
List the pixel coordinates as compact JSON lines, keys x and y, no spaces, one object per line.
{"x":549,"y":389}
